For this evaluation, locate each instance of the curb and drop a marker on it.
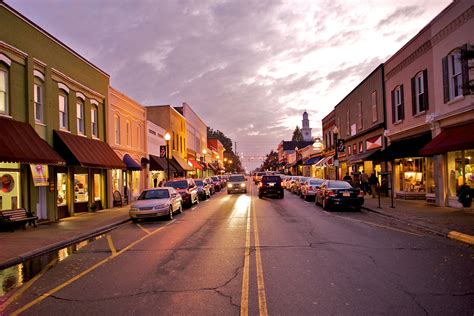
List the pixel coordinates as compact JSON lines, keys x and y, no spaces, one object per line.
{"x":446,"y":234}
{"x":59,"y":245}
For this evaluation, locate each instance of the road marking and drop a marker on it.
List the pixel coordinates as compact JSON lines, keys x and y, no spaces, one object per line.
{"x":262,"y":299}
{"x":26,"y":286}
{"x":461,"y":237}
{"x":83,"y":273}
{"x":244,"y":300}
{"x":144,"y":229}
{"x":111,"y":245}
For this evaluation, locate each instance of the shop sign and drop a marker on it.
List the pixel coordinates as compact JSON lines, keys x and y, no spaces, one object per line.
{"x":162,"y":151}
{"x":374,"y":142}
{"x":40,"y":175}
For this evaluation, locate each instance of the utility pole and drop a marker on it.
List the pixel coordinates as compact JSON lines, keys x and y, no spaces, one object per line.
{"x":235,"y":148}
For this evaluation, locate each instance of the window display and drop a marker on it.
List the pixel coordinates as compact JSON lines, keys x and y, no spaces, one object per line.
{"x":81,"y":193}
{"x":9,"y":190}
{"x":61,"y":186}
{"x":412,"y":175}
{"x":460,"y":168}
{"x":135,"y":183}
{"x":116,"y":179}
{"x":97,"y":187}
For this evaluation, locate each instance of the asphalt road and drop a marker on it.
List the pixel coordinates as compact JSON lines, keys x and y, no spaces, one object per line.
{"x":237,"y":254}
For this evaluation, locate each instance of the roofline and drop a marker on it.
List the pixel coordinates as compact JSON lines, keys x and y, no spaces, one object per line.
{"x":198,"y":116}
{"x":40,"y":29}
{"x":163,"y":106}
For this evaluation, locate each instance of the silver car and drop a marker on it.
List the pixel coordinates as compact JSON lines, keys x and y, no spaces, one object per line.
{"x":156,"y":202}
{"x":236,"y":183}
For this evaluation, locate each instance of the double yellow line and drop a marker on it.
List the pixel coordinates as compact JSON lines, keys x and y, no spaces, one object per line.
{"x":262,"y":300}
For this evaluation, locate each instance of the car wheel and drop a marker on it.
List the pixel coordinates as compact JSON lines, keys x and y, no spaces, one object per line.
{"x":316,"y":200}
{"x":170,"y":213}
{"x":260,"y":196}
{"x":325,"y":206}
{"x":180,"y":209}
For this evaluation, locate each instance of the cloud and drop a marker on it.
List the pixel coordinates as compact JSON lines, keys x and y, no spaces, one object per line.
{"x":400,"y":14}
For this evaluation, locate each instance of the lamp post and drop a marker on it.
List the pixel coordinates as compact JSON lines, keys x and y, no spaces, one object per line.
{"x":296,"y":162}
{"x":335,"y":131}
{"x":167,"y":138}
{"x":204,"y":152}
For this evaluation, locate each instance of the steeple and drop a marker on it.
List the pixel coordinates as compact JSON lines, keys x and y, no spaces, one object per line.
{"x":306,"y":130}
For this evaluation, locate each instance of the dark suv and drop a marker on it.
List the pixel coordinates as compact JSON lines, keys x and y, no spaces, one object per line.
{"x":186,"y":188}
{"x":270,"y":185}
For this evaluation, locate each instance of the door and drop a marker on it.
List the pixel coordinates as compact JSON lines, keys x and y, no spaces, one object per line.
{"x":41,"y":210}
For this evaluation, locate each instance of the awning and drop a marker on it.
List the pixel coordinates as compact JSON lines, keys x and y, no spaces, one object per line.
{"x":195,"y":164}
{"x":312,"y":161}
{"x":451,"y":139}
{"x":362,"y":157}
{"x":21,"y":144}
{"x":160,"y":164}
{"x":404,"y":148}
{"x":181,"y":162}
{"x":86,"y":152}
{"x":131,"y":163}
{"x":324,"y":162}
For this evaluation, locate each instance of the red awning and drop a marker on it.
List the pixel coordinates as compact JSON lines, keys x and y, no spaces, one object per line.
{"x":20,"y":143}
{"x":195,"y":164}
{"x":450,"y":139}
{"x":83,"y":151}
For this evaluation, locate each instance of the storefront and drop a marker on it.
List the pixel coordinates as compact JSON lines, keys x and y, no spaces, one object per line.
{"x":81,"y":186}
{"x":158,"y":170}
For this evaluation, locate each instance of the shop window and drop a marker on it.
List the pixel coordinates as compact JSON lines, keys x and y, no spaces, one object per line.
{"x":135,"y":183}
{"x":116,"y":173}
{"x":94,"y":121}
{"x":9,"y":186}
{"x":97,"y":187}
{"x":63,"y":110}
{"x":80,"y":116}
{"x":412,"y":174}
{"x":61,"y":187}
{"x":4,"y":91}
{"x":460,"y":170}
{"x":81,"y":193}
{"x":38,"y":100}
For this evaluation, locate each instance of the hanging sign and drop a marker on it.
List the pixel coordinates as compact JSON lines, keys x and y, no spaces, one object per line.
{"x":40,"y":175}
{"x":162,"y":151}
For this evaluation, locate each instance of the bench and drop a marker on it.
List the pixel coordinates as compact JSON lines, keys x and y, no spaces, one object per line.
{"x":17,"y":217}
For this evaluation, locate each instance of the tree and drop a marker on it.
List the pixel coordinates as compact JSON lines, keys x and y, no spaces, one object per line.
{"x":297,"y":135}
{"x":271,"y":161}
{"x":236,"y":165}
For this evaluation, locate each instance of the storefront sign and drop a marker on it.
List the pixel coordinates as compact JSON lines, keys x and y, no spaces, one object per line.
{"x":374,"y":142}
{"x":40,"y":175}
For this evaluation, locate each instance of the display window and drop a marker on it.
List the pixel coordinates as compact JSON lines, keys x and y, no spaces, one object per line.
{"x":460,"y":170}
{"x":97,"y":186}
{"x":136,"y":183}
{"x":412,"y":174}
{"x":9,"y":186}
{"x":81,"y":193}
{"x":116,"y":174}
{"x":61,"y":187}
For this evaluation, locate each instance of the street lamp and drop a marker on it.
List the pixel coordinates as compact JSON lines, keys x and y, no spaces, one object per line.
{"x":335,"y":131}
{"x":296,"y":157}
{"x":167,"y":138}
{"x":204,"y":152}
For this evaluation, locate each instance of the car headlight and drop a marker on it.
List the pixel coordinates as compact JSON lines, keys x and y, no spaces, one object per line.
{"x":161,"y":206}
{"x":242,"y":185}
{"x":229,"y":185}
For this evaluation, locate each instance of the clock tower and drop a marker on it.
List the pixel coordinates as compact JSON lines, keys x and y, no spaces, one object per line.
{"x":306,"y":130}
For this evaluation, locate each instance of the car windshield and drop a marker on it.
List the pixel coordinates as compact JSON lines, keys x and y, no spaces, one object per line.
{"x":179,"y":184}
{"x":215,"y":178}
{"x":271,"y":179}
{"x":199,"y":182}
{"x":154,"y":194}
{"x":236,"y":178}
{"x":339,"y":185}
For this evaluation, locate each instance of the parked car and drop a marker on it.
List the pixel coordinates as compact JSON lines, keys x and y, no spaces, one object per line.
{"x":339,"y":193}
{"x":186,"y":188}
{"x":236,"y":183}
{"x":212,"y":189}
{"x":309,"y":188}
{"x":203,"y":189}
{"x":217,"y":183}
{"x":155,"y":203}
{"x":223,"y":181}
{"x":296,"y":188}
{"x":258,"y":177}
{"x":289,"y":182}
{"x":270,"y":185}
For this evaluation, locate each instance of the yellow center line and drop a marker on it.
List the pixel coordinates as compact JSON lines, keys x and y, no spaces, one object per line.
{"x":144,"y":229}
{"x":111,"y":245}
{"x":244,"y":301}
{"x":262,"y":299}
{"x":83,"y":273}
{"x":26,"y":286}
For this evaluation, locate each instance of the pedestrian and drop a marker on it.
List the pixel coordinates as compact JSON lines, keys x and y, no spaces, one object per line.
{"x":155,"y":182}
{"x":347,"y":177}
{"x":161,"y":183}
{"x":365,"y":182}
{"x":373,"y":182}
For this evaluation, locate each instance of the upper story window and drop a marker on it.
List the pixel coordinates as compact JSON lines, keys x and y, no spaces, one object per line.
{"x":375,"y":114}
{"x":80,"y":116}
{"x":3,"y":90}
{"x":453,"y":75}
{"x":63,"y":110}
{"x":117,"y":129}
{"x":38,"y":99}
{"x":127,"y":131}
{"x":94,"y":121}
{"x":398,"y":112}
{"x":419,"y":86}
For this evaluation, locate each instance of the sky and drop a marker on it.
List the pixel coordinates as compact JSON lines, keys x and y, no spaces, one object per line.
{"x":248,"y":68}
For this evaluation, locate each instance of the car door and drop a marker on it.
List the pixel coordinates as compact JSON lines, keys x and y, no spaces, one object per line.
{"x":174,"y":199}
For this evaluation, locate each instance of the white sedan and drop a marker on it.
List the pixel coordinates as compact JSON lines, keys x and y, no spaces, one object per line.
{"x":155,"y":203}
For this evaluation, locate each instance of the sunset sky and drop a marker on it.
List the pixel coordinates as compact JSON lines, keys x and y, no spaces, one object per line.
{"x":248,"y":68}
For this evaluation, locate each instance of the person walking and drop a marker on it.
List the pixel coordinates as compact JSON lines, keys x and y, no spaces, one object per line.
{"x":373,"y":182}
{"x":347,"y":177}
{"x":364,"y":179}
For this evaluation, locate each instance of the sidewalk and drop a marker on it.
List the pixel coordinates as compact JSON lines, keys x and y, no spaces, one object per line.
{"x":443,"y":221}
{"x":24,"y":244}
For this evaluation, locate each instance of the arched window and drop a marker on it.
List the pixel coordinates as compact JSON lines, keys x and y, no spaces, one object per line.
{"x":80,"y":115}
{"x":5,"y":63}
{"x":38,"y":96}
{"x":94,"y":120}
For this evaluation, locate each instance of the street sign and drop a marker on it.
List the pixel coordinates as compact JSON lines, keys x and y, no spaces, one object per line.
{"x":162,"y":151}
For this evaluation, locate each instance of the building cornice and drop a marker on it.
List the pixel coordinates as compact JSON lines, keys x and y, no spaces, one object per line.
{"x":73,"y":82}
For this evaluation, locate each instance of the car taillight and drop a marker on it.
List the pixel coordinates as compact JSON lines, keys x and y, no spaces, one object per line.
{"x":361,"y":193}
{"x":331,"y":193}
{"x":310,"y":188}
{"x":260,"y":184}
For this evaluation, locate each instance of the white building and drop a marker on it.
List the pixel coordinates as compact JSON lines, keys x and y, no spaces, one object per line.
{"x":306,"y":130}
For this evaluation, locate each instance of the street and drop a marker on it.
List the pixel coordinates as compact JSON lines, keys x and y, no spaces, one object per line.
{"x":238,"y":254}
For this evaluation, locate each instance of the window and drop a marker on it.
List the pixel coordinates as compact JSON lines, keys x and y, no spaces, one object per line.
{"x":80,"y":116}
{"x":38,"y":100}
{"x":349,"y":150}
{"x":139,"y":139}
{"x":3,"y":91}
{"x":174,"y":147}
{"x":97,"y":187}
{"x":374,"y":107}
{"x":63,"y":110}
{"x":452,"y":76}
{"x":117,"y":129}
{"x":81,"y":185}
{"x":152,"y":132}
{"x":127,"y":131}
{"x":94,"y":120}
{"x":359,"y":111}
{"x":398,"y":113}
{"x":361,"y":148}
{"x":419,"y":85}
{"x":354,"y":148}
